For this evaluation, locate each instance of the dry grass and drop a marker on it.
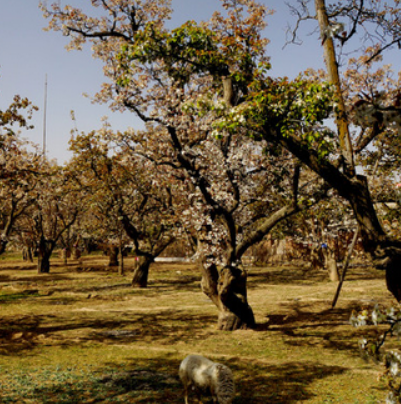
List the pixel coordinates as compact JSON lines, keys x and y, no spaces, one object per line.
{"x":81,"y":334}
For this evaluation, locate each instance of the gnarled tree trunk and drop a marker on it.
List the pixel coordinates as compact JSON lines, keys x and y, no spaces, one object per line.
{"x":113,"y":256}
{"x":43,"y":263}
{"x":141,"y":273}
{"x":226,"y":288}
{"x":45,"y":249}
{"x":385,"y":252}
{"x":3,"y":245}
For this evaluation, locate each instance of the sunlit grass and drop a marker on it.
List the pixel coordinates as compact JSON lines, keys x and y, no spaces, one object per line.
{"x":83,"y":335}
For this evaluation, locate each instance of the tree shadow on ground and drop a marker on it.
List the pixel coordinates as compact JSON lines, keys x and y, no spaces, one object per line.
{"x":305,"y":326}
{"x":35,"y":279}
{"x":279,"y":384}
{"x":5,"y":278}
{"x":144,"y":381}
{"x":305,"y":275}
{"x":285,"y":275}
{"x":166,"y":327}
{"x":141,"y":383}
{"x":255,"y":383}
{"x":91,"y":289}
{"x":364,"y":273}
{"x":186,"y":283}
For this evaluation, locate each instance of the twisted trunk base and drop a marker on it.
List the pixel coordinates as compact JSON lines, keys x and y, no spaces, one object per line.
{"x":227,"y":290}
{"x":113,"y":256}
{"x":141,"y":273}
{"x":45,"y":249}
{"x":44,"y":263}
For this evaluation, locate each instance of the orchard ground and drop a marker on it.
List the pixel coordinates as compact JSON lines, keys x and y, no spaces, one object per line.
{"x":81,"y":334}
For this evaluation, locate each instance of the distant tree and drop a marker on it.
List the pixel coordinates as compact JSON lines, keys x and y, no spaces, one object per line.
{"x":128,"y":193}
{"x":54,"y":211}
{"x":18,"y":113}
{"x":19,"y":168}
{"x":21,"y":171}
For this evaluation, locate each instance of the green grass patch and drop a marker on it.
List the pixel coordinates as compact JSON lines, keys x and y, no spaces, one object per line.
{"x":11,"y":256}
{"x":12,"y":297}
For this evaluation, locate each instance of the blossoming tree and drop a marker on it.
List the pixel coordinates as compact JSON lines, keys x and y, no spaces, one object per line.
{"x":211,"y":80}
{"x":129,"y":193}
{"x":19,"y":167}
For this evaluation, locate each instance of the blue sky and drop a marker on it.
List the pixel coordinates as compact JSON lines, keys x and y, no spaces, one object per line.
{"x":27,"y":54}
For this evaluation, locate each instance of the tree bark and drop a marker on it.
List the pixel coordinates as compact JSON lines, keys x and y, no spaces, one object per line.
{"x":113,"y":256}
{"x":331,"y":265}
{"x":345,"y":267}
{"x":235,"y":312}
{"x":45,"y":250}
{"x":43,"y":263}
{"x":121,"y":263}
{"x":334,"y":78}
{"x":27,"y":254}
{"x":3,"y":245}
{"x":64,"y":255}
{"x":226,"y":288}
{"x":393,"y":273}
{"x":384,"y":251}
{"x":120,"y":257}
{"x":228,"y":91}
{"x":76,"y":253}
{"x":141,"y":273}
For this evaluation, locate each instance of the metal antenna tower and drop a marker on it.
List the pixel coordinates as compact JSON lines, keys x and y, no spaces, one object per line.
{"x":45,"y":119}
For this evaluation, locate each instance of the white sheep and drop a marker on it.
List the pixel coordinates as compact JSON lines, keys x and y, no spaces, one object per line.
{"x":207,"y":378}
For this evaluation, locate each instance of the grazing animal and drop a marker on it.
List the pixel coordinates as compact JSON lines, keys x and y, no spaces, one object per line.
{"x":207,"y":378}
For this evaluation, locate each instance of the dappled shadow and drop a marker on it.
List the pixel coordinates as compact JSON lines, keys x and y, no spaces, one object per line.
{"x":17,"y":266}
{"x":5,"y":278}
{"x":279,"y":384}
{"x":156,"y":284}
{"x":17,"y":335}
{"x":256,"y":383}
{"x":112,"y":315}
{"x":305,"y":275}
{"x":364,"y":273}
{"x":37,"y":279}
{"x":141,"y":382}
{"x":140,"y":379}
{"x":304,"y":326}
{"x":166,"y":327}
{"x":187,"y":283}
{"x":285,"y":275}
{"x":91,"y":289}
{"x":15,"y":342}
{"x":144,"y":381}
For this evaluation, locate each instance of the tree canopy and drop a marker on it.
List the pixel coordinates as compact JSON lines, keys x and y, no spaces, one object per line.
{"x":212,"y":79}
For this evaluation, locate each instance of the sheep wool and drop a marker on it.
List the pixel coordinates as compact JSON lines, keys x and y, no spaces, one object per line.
{"x":207,"y":378}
